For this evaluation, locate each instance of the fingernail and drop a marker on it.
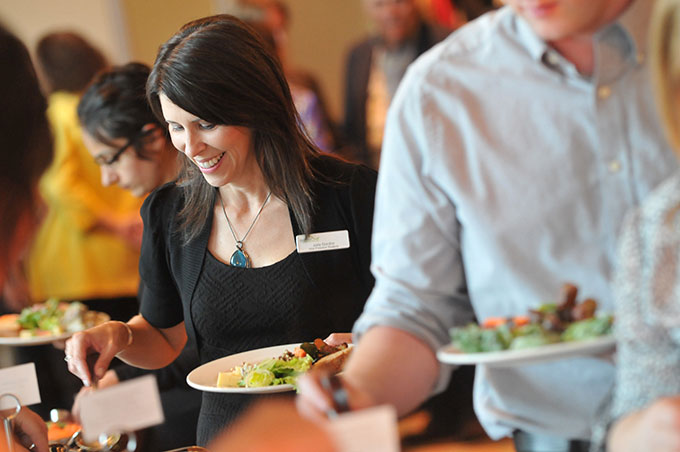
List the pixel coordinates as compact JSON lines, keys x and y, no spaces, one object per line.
{"x":99,"y":372}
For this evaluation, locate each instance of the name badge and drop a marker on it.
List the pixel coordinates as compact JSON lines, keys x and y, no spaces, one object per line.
{"x":322,"y":241}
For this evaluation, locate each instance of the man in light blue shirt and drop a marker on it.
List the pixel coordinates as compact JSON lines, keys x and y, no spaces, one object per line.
{"x":512,"y":151}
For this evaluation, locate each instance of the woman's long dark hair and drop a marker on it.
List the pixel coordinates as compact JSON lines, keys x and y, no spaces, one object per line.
{"x":218,"y":69}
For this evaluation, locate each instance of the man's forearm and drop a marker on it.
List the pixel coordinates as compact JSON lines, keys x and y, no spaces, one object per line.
{"x":394,"y":367}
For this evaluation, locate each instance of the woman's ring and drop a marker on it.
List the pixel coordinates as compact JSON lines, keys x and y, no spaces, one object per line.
{"x":67,"y":358}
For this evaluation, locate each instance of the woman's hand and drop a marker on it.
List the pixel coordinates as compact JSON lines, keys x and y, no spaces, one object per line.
{"x":106,"y":340}
{"x":110,"y":378}
{"x":656,"y":428}
{"x":128,"y":229}
{"x":29,"y":429}
{"x":336,"y":339}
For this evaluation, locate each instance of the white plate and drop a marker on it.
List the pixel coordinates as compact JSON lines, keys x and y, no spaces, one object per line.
{"x":19,"y":341}
{"x":37,"y":340}
{"x":204,"y":377}
{"x":505,"y":358}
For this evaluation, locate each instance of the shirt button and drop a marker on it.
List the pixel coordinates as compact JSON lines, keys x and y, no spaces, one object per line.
{"x":604,"y":92}
{"x":614,"y":166}
{"x":553,"y":59}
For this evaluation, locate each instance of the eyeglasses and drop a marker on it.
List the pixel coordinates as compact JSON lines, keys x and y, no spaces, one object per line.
{"x":114,"y":158}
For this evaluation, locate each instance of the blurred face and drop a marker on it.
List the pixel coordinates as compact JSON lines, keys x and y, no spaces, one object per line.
{"x":553,"y":20}
{"x":222,"y":153}
{"x":396,"y":20}
{"x":120,"y":165}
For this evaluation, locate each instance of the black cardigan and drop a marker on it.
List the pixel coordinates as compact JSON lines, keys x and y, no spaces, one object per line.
{"x":344,"y":197}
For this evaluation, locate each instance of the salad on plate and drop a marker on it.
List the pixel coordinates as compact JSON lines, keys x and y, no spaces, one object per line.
{"x":549,"y":323}
{"x":52,"y":318}
{"x":285,"y":368}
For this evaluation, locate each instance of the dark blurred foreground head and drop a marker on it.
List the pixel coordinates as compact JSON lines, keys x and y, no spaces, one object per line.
{"x":26,"y":148}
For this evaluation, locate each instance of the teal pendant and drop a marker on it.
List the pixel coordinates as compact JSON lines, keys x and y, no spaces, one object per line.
{"x":239,"y":258}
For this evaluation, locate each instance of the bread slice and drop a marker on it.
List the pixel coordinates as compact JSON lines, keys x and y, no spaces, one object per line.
{"x":333,"y":363}
{"x":9,"y":325}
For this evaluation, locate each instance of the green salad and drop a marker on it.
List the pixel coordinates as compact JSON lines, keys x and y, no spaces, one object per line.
{"x":54,"y":318}
{"x":275,"y":371}
{"x":547,"y":324}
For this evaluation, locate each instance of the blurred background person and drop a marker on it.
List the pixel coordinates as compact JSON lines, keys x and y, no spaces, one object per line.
{"x":375,"y":67}
{"x":645,"y":412}
{"x":94,"y":230}
{"x":87,"y":246}
{"x":219,"y":257}
{"x":133,"y":150}
{"x":273,"y":25}
{"x":24,"y":156}
{"x":306,"y":96}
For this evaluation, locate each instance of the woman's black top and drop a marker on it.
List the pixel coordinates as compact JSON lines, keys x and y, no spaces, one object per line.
{"x":229,"y":310}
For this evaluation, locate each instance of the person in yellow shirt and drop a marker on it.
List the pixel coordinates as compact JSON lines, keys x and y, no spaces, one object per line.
{"x":87,"y":247}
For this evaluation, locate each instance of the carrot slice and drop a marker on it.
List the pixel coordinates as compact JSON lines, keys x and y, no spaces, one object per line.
{"x":520,"y":320}
{"x":494,"y":322}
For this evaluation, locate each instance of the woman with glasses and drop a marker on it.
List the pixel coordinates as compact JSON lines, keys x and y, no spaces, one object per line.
{"x":128,"y":143}
{"x":225,"y":256}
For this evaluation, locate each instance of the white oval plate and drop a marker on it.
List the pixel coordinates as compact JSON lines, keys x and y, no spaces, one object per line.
{"x":19,"y":341}
{"x":36,"y":340}
{"x":505,"y":358}
{"x":204,"y":378}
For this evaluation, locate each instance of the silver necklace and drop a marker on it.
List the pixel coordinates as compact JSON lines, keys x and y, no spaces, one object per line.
{"x":240,"y":258}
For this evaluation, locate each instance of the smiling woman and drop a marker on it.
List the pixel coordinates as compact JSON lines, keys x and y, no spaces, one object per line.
{"x":219,"y":258}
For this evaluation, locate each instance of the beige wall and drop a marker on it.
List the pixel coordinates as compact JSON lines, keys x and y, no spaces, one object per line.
{"x":99,"y":21}
{"x":151,"y":22}
{"x":321,"y":30}
{"x":321,"y":33}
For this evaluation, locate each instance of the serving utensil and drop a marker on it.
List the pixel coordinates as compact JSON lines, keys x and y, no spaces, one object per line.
{"x":7,"y":416}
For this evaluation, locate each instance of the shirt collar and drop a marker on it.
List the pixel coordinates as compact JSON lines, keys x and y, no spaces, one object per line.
{"x":635,"y":22}
{"x":632,"y":23}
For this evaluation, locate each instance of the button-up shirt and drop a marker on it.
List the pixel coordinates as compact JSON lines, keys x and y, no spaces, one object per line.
{"x":504,"y":174}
